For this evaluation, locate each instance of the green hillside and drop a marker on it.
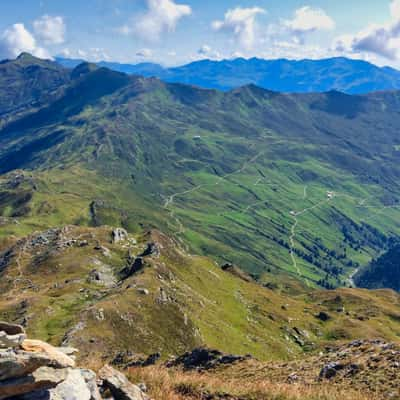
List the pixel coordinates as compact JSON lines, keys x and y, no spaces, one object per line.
{"x":381,"y":272}
{"x":283,"y":185}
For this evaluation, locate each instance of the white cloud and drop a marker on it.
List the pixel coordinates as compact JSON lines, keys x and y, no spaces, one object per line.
{"x":381,"y":40}
{"x":307,"y":20}
{"x":50,"y":30}
{"x":144,"y":53}
{"x":93,"y":54}
{"x":241,"y":22}
{"x":16,"y":40}
{"x":207,"y":51}
{"x":162,"y":16}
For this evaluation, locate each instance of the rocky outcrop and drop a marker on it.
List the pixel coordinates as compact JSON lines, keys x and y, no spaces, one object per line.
{"x":43,"y":378}
{"x":152,"y":249}
{"x":119,"y":235}
{"x":119,"y":386}
{"x":204,"y":359}
{"x":35,"y":370}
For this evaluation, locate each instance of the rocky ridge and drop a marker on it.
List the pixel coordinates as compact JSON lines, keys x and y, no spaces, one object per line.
{"x":35,"y":370}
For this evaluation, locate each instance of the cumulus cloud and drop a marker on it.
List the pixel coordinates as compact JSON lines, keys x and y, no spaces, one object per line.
{"x":50,"y":30}
{"x":16,"y":40}
{"x":162,"y":16}
{"x":144,"y":53}
{"x":381,"y":40}
{"x":207,"y":51}
{"x":241,"y":22}
{"x":93,"y":54}
{"x":307,"y":20}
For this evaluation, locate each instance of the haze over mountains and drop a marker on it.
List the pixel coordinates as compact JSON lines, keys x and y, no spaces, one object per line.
{"x":341,"y":74}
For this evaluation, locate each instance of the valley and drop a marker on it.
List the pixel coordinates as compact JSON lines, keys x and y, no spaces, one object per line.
{"x":142,"y":219}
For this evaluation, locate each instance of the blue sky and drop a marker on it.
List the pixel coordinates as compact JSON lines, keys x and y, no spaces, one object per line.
{"x":178,"y":31}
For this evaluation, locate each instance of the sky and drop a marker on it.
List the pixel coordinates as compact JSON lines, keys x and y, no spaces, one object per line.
{"x":174,"y":32}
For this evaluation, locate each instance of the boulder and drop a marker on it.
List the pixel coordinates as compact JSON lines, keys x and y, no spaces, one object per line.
{"x":119,"y":386}
{"x":152,"y":249}
{"x":136,"y":266}
{"x":330,"y":370}
{"x":69,"y":351}
{"x":323,"y":316}
{"x":78,"y":385}
{"x":59,"y":359}
{"x":203,"y":359}
{"x":11,"y":341}
{"x":11,"y":329}
{"x":17,"y":364}
{"x":43,"y":378}
{"x":119,"y":235}
{"x":91,"y":382}
{"x":145,"y":362}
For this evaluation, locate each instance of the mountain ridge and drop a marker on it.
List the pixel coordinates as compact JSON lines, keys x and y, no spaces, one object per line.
{"x":338,"y":73}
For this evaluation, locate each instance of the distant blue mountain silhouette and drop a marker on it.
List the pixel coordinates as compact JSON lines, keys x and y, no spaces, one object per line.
{"x":341,"y":74}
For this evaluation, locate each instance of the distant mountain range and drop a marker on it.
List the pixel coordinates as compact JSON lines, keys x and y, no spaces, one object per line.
{"x":304,"y":76}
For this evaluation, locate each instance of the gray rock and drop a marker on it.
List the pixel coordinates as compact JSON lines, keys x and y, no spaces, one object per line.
{"x":68,"y":351}
{"x":13,"y":341}
{"x":15,"y":365}
{"x":152,"y":249}
{"x":330,"y":370}
{"x":136,"y":266}
{"x":119,"y":386}
{"x":11,"y":329}
{"x":103,"y":275}
{"x":78,"y":385}
{"x":91,"y":382}
{"x":119,"y":235}
{"x":42,"y":379}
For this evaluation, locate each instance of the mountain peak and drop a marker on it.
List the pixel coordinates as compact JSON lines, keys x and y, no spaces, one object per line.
{"x":83,"y":69}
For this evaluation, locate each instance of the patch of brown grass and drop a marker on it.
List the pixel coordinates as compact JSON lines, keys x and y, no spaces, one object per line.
{"x":164,"y":384}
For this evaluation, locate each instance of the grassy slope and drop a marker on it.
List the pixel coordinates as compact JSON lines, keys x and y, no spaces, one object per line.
{"x":46,"y":285}
{"x":219,"y":171}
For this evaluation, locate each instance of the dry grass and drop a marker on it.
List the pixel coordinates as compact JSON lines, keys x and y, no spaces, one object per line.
{"x":166,"y":384}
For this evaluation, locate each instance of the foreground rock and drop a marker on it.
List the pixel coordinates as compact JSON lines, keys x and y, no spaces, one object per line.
{"x":58,"y":357}
{"x":35,"y":370}
{"x":11,"y":335}
{"x":119,"y":385}
{"x":42,"y":379}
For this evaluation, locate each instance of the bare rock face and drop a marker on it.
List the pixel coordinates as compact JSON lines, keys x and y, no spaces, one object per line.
{"x":42,"y":379}
{"x":35,"y":370}
{"x":119,"y":386}
{"x":119,"y":235}
{"x":78,"y":385}
{"x":11,"y":341}
{"x":15,"y":364}
{"x":60,"y":359}
{"x":11,"y":329}
{"x":11,"y":335}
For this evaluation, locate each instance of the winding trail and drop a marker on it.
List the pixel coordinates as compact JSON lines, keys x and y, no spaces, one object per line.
{"x":295,"y":215}
{"x":21,"y":278}
{"x":170,"y":200}
{"x":292,"y":237}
